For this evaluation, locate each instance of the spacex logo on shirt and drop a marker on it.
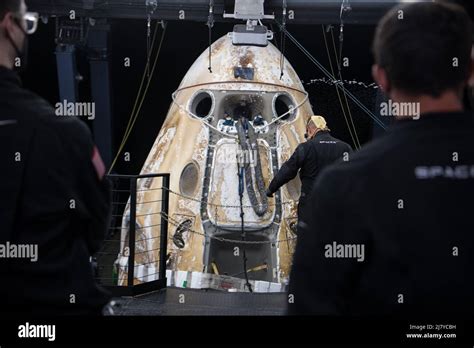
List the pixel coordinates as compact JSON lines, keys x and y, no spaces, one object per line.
{"x":457,"y":172}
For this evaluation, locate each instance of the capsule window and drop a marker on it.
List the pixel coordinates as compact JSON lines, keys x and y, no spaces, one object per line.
{"x":283,"y":104}
{"x":202,"y":104}
{"x":188,"y":181}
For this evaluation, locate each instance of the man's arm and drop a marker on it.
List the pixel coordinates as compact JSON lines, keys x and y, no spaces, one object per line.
{"x":320,"y":283}
{"x":288,"y":170}
{"x":97,"y":196}
{"x":92,"y":190}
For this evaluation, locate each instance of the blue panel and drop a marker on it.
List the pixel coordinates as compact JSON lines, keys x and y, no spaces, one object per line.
{"x":67,"y":72}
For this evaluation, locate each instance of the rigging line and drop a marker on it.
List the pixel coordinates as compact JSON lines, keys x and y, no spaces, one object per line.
{"x":328,"y":74}
{"x":210,"y":50}
{"x":135,"y":103}
{"x":142,"y":81}
{"x":148,"y":46}
{"x":142,"y":99}
{"x":340,"y":44}
{"x":149,"y":82}
{"x":184,"y":109}
{"x":329,"y":82}
{"x":339,"y":64}
{"x":210,"y":24}
{"x":242,"y":82}
{"x":176,"y":223}
{"x":282,"y":40}
{"x":324,"y":70}
{"x":282,"y":57}
{"x":221,"y":205}
{"x":337,"y":90}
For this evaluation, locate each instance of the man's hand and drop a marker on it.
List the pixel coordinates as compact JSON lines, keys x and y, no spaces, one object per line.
{"x":268,"y":193}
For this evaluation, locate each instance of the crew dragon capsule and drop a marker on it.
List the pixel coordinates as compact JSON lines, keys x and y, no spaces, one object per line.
{"x":225,"y":136}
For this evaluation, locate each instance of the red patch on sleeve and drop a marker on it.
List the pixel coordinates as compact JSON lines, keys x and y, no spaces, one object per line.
{"x":98,"y":163}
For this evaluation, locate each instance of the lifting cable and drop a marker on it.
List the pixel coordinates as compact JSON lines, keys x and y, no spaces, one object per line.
{"x":328,"y":75}
{"x":282,"y":40}
{"x":148,"y":45}
{"x":210,"y":24}
{"x":339,"y":62}
{"x":352,"y":131}
{"x":139,"y":100}
{"x":345,"y":8}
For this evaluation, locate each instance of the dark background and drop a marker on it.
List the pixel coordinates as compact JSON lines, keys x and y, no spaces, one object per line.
{"x":183,"y":43}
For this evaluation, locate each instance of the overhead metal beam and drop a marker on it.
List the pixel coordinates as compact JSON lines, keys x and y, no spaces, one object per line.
{"x":303,"y":11}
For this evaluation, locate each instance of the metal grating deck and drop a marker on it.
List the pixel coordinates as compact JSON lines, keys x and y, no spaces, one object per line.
{"x":202,"y":303}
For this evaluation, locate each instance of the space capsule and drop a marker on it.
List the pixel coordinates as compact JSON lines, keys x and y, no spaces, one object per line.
{"x":225,"y":136}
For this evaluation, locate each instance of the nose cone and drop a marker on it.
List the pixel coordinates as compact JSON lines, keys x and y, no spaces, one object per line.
{"x":225,"y":57}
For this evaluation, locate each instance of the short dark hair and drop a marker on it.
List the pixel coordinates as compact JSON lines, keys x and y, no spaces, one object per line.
{"x":9,"y":6}
{"x":418,"y":50}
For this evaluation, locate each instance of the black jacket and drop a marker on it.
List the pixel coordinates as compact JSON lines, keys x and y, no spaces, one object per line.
{"x":408,"y":198}
{"x":309,"y":159}
{"x":51,"y":196}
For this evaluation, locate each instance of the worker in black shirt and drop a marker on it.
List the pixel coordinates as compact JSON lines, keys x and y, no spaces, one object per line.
{"x":54,"y":202}
{"x":392,"y":231}
{"x":309,"y":159}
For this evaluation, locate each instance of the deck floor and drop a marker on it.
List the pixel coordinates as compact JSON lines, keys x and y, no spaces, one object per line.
{"x":202,"y":303}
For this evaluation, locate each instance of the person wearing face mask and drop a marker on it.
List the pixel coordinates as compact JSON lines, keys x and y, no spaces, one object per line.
{"x":55,"y":200}
{"x":309,"y":158}
{"x":17,"y":26}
